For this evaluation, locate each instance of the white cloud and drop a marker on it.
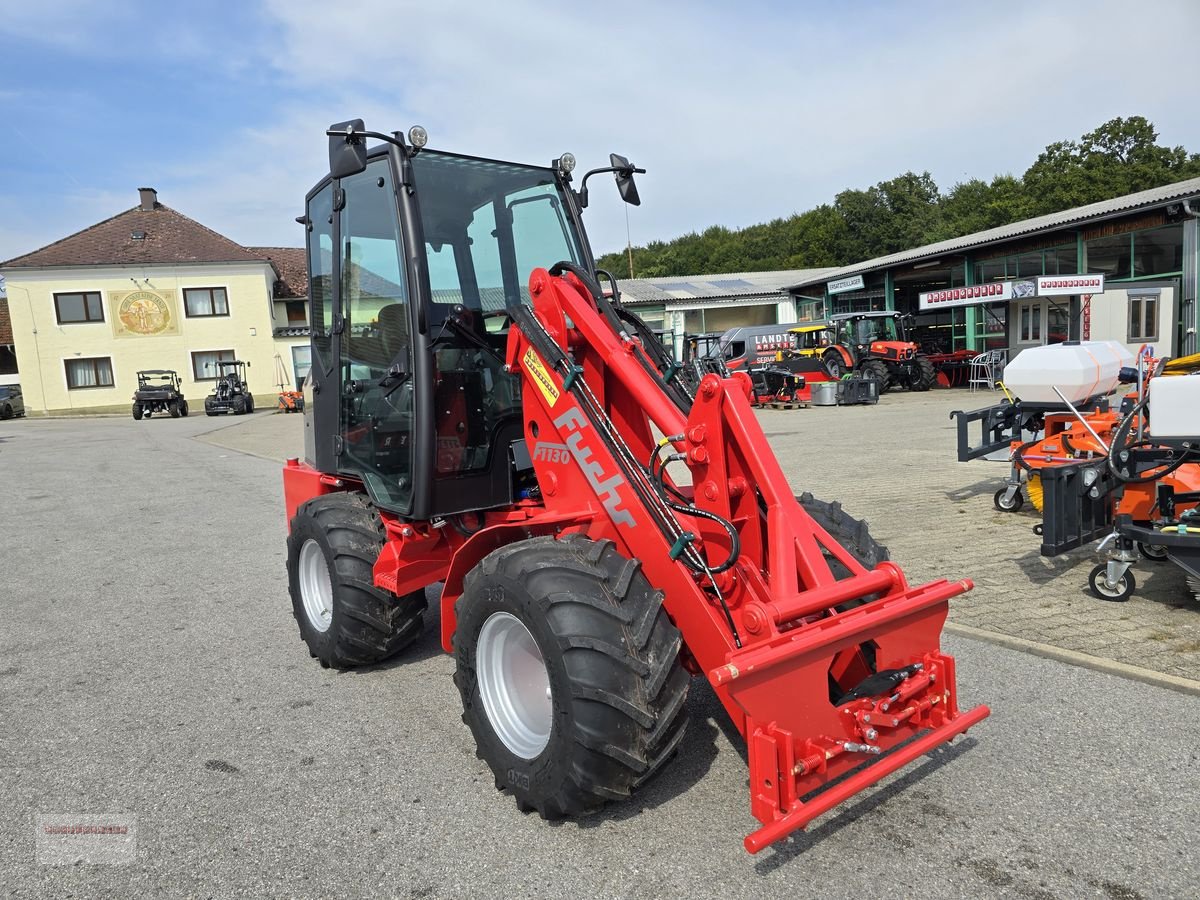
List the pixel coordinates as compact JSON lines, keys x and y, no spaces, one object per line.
{"x":741,"y":113}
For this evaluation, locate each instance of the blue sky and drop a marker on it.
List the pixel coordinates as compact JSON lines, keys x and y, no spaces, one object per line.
{"x":741,"y":112}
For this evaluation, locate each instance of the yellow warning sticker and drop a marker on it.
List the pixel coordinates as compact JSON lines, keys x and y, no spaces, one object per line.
{"x":541,"y":376}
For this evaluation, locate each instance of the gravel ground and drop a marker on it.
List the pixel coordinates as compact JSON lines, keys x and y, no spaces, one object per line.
{"x":150,"y":667}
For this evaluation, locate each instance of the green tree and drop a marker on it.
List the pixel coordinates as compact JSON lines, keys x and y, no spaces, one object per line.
{"x":1122,"y":156}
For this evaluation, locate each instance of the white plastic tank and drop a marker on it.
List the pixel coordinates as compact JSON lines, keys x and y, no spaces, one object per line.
{"x":1080,"y":370}
{"x":1175,"y":406}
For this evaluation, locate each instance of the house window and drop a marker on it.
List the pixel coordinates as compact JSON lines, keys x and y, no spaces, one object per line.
{"x":89,"y":373}
{"x":81,"y":307}
{"x":200,"y":302}
{"x":1143,"y":317}
{"x":296,"y":313}
{"x":204,"y":363}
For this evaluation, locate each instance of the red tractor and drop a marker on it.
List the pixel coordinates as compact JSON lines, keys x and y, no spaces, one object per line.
{"x":875,"y":344}
{"x":477,"y":419}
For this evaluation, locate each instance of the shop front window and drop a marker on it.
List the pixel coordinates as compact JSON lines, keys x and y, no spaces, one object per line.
{"x":1158,"y":251}
{"x":1110,"y":255}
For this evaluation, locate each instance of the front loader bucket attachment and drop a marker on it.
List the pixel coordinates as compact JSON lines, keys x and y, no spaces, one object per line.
{"x":807,"y":747}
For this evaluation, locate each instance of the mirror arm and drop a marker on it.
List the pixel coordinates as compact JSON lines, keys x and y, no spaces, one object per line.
{"x":351,"y":135}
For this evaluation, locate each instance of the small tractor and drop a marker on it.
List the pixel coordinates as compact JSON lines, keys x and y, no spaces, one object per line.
{"x":230,"y":394}
{"x":529,"y":455}
{"x":158,"y":391}
{"x":875,"y":344}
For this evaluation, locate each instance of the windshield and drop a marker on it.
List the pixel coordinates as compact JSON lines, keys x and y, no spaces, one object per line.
{"x":487,"y":225}
{"x":873,"y":328}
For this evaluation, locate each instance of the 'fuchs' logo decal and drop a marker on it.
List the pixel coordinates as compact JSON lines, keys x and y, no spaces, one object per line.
{"x":605,"y":488}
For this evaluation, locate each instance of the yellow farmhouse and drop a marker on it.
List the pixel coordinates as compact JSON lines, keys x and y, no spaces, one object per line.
{"x":152,"y":289}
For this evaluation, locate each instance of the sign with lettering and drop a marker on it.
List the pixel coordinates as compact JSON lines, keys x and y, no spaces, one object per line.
{"x":966,"y":296}
{"x":1069,"y":285}
{"x":841,"y":285}
{"x":1021,"y":289}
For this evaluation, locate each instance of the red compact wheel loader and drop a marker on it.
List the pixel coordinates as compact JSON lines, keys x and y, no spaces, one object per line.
{"x":480,"y":414}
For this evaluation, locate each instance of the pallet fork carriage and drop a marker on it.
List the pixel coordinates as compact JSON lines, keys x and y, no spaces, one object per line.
{"x":529,"y":468}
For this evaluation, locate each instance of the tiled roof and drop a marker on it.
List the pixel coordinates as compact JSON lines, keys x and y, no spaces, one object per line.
{"x":711,"y":287}
{"x":6,"y":332}
{"x":1050,"y":222}
{"x":292,"y":265}
{"x":167,"y":237}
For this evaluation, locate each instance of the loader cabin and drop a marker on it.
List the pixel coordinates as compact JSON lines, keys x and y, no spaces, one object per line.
{"x":414,"y":256}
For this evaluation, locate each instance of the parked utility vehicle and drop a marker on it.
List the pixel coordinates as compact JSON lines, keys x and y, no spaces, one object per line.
{"x":230,"y":394}
{"x":158,"y":391}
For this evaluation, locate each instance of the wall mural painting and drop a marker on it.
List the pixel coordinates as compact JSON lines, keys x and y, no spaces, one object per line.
{"x":145,"y":313}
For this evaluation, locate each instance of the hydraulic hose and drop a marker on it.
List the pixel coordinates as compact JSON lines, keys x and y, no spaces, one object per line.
{"x":1119,"y":446}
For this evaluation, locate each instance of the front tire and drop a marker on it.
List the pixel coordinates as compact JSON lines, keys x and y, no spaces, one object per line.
{"x":344,"y":619}
{"x":878,"y":369}
{"x":569,"y":673}
{"x":183,"y":408}
{"x":249,"y":403}
{"x":927,"y":375}
{"x":137,"y":412}
{"x":174,"y":410}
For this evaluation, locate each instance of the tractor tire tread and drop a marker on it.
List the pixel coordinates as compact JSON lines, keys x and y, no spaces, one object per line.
{"x":371,"y":624}
{"x":626,"y":689}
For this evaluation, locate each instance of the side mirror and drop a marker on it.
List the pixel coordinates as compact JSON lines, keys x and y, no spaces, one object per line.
{"x":347,"y":148}
{"x":623,"y":172}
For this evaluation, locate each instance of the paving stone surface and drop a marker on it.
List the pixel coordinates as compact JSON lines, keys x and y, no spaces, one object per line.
{"x":895,"y":464}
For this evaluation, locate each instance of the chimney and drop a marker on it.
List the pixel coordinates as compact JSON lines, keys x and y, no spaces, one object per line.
{"x":149,"y":199}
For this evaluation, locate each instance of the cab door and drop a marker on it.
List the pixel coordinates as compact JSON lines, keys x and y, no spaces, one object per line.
{"x":375,"y":352}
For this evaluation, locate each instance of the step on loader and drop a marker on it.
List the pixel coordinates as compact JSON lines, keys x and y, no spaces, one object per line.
{"x":479,"y":413}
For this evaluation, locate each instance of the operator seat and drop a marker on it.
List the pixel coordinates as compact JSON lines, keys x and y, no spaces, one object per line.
{"x":393,"y":329}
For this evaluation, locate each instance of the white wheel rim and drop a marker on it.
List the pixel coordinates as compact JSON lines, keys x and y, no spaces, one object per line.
{"x":514,"y":685}
{"x":316,"y":590}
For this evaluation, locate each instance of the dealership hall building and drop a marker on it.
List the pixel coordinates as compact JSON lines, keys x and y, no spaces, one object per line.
{"x":1013,"y":287}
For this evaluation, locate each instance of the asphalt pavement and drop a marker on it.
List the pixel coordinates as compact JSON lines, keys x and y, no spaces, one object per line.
{"x":150,"y":667}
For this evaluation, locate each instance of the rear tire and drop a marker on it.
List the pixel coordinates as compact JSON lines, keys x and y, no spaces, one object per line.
{"x":238,"y":405}
{"x":344,"y":619}
{"x":173,"y":408}
{"x":183,"y":408}
{"x":833,"y":364}
{"x":609,"y":660}
{"x":7,"y":413}
{"x":137,"y":412}
{"x":877,"y":369}
{"x":855,"y":538}
{"x":249,"y":403}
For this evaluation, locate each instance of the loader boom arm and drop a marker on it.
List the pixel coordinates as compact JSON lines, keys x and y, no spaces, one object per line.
{"x":746,"y":572}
